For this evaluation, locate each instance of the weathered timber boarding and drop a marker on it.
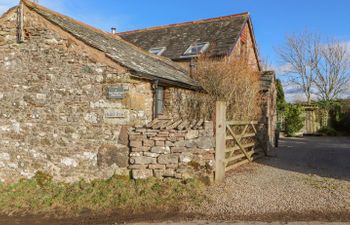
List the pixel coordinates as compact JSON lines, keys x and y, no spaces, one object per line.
{"x":69,"y":93}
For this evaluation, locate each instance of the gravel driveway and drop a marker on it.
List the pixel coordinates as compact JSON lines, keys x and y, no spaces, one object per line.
{"x":305,"y":179}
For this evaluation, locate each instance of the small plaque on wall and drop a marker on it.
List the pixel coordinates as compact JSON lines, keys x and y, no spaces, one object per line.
{"x":115,"y":114}
{"x":116,"y":92}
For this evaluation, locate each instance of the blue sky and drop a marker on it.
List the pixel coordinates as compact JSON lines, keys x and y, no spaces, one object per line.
{"x":272,"y":19}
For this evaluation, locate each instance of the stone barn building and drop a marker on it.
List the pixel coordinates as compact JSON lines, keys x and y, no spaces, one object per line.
{"x":68,"y":92}
{"x":74,"y":100}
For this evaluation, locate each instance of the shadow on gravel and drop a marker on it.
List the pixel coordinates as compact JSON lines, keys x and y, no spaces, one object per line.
{"x":322,"y":156}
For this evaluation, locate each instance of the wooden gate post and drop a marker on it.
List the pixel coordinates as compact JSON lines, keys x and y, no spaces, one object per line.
{"x":220,"y":140}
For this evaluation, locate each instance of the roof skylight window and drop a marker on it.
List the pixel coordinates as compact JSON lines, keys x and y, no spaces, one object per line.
{"x":196,"y":49}
{"x":157,"y":50}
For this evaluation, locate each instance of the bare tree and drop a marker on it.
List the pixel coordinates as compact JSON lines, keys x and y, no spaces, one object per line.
{"x":333,"y":71}
{"x":301,"y":54}
{"x":316,"y":68}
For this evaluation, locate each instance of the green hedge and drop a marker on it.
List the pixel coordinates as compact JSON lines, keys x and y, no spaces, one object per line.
{"x":294,"y":120}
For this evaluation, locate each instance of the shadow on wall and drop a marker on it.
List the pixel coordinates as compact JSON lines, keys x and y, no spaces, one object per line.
{"x":322,"y":156}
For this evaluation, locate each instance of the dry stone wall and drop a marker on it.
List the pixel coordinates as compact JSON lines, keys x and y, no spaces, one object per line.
{"x":174,"y":153}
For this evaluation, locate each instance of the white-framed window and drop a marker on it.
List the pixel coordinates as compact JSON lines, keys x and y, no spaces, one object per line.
{"x":196,"y":49}
{"x":157,"y":50}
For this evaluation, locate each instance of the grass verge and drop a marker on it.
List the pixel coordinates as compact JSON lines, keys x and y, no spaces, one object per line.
{"x":42,"y":195}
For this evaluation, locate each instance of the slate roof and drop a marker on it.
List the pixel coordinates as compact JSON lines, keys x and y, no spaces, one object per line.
{"x":222,"y":33}
{"x":145,"y":64}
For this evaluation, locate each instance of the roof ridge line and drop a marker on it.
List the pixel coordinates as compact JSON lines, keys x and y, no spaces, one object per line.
{"x":185,"y":23}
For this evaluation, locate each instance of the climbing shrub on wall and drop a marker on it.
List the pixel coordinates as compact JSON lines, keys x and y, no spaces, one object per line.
{"x":230,"y":80}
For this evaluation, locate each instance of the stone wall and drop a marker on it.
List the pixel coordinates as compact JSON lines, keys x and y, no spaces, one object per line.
{"x":175,"y":153}
{"x":55,"y":115}
{"x":269,"y":97}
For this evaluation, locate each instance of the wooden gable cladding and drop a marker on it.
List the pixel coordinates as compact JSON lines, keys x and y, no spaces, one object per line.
{"x":245,"y":34}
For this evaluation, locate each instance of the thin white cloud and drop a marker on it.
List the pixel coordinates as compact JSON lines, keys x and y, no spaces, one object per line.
{"x":282,"y":69}
{"x":292,"y":92}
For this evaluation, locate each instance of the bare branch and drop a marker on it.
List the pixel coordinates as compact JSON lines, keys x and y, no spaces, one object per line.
{"x":302,"y":53}
{"x":333,"y":71}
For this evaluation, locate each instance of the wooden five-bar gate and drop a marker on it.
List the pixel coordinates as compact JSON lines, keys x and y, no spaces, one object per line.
{"x":237,"y":142}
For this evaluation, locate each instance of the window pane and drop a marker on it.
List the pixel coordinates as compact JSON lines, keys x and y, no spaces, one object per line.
{"x":197,"y":48}
{"x":157,"y":51}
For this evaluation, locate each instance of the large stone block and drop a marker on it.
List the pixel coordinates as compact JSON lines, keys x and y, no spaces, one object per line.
{"x":137,"y":167}
{"x":143,"y":160}
{"x":110,"y":154}
{"x":157,"y":166}
{"x":69,"y":162}
{"x":140,"y":149}
{"x":179,"y":149}
{"x":168,"y":159}
{"x":186,"y":157}
{"x":135,"y":144}
{"x":181,"y":143}
{"x":123,"y":138}
{"x":169,"y":144}
{"x":161,"y":150}
{"x":141,"y":174}
{"x":205,"y":143}
{"x":192,"y":134}
{"x":151,"y":154}
{"x":148,"y":143}
{"x":185,"y":143}
{"x":160,"y":143}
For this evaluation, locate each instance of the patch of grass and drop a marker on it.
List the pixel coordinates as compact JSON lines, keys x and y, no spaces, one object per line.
{"x":42,"y":195}
{"x":329,"y":184}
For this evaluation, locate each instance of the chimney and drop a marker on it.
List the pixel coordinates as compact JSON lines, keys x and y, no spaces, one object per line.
{"x":114,"y":30}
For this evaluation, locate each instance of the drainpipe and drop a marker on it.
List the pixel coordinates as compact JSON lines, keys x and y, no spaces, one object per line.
{"x":154,"y":89}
